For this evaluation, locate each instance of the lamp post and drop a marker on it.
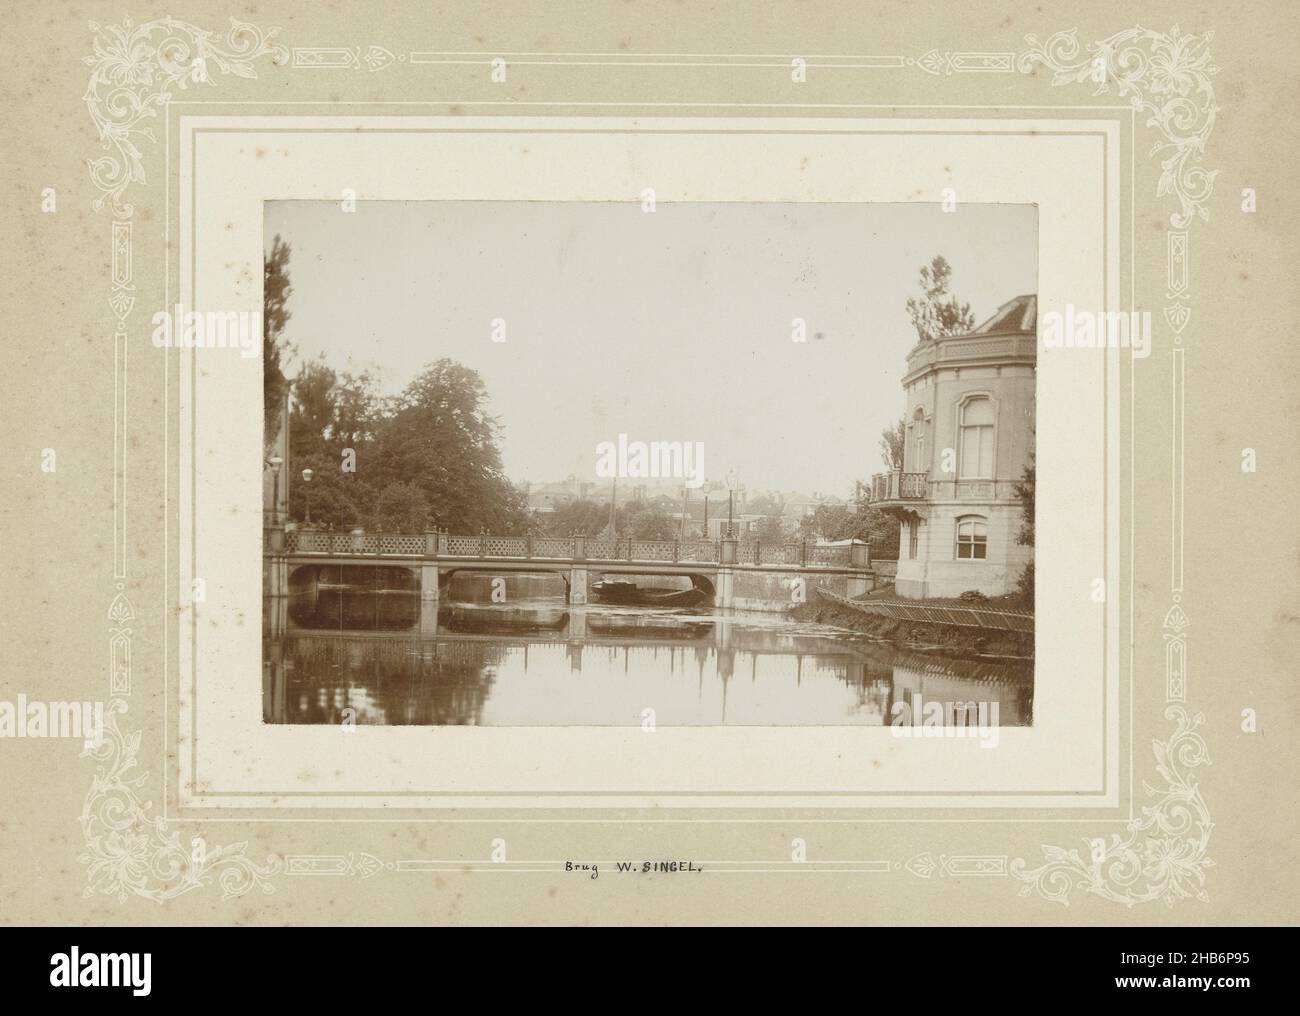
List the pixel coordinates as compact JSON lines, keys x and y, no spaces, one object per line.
{"x":275,"y":462}
{"x":708,"y":486}
{"x":731,"y":496}
{"x":307,"y":474}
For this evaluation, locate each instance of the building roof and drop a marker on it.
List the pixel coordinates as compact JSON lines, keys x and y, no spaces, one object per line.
{"x":1006,"y":337}
{"x":1016,"y":315}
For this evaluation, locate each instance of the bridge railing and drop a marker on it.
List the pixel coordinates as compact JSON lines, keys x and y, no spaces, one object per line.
{"x":572,"y":548}
{"x":314,"y":542}
{"x":553,"y":546}
{"x":828,"y":555}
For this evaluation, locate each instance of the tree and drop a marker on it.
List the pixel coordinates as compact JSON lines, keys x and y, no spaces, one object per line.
{"x":400,"y":508}
{"x":275,"y":296}
{"x":1025,"y":491}
{"x":642,"y":520}
{"x":358,"y":410}
{"x":771,"y":529}
{"x":763,"y":504}
{"x":330,"y":421}
{"x":891,"y":445}
{"x":832,"y":522}
{"x":331,"y":494}
{"x":428,"y":456}
{"x":938,"y":313}
{"x":311,"y":418}
{"x":584,"y":517}
{"x":439,"y":436}
{"x":513,"y":518}
{"x":859,"y":521}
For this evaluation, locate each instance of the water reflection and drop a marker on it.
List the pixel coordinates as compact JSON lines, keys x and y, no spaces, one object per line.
{"x":544,"y":663}
{"x":353,"y":597}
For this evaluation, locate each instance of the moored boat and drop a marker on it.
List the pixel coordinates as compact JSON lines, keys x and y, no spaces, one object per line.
{"x":629,"y":594}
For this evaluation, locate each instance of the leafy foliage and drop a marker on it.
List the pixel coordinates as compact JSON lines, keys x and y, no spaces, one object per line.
{"x":938,"y":313}
{"x":640,"y":520}
{"x":276,"y":290}
{"x":401,"y":508}
{"x":584,"y":517}
{"x":1025,"y":491}
{"x":772,"y":529}
{"x":427,"y":457}
{"x":891,"y":444}
{"x":858,"y":521}
{"x":1025,"y":585}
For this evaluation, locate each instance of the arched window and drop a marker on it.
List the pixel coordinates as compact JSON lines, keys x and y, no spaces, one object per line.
{"x":972,"y":538}
{"x":976,"y":440}
{"x":919,"y":463}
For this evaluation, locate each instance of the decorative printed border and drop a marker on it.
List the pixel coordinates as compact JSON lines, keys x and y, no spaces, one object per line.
{"x":378,"y":58}
{"x":129,"y":853}
{"x":1165,"y":76}
{"x":134,"y":69}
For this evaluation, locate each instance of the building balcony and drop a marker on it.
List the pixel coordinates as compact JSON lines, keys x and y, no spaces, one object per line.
{"x":910,"y":491}
{"x":899,"y":486}
{"x":970,"y":351}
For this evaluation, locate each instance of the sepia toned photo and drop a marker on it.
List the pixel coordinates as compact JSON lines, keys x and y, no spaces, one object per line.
{"x":606,"y":464}
{"x":667,"y":464}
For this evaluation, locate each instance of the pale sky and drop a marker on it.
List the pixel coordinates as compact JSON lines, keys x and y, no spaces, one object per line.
{"x":668,"y":326}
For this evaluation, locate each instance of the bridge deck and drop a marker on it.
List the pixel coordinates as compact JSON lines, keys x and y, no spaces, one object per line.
{"x":514,"y":552}
{"x":617,"y":565}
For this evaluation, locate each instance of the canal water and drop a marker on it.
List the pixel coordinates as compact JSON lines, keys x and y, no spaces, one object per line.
{"x":356,"y":654}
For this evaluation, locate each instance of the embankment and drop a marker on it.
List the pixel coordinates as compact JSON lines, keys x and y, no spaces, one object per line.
{"x":951,"y":638}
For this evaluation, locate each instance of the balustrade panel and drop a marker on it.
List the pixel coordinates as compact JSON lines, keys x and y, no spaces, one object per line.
{"x":505,"y":546}
{"x":651,"y":550}
{"x":548,"y":546}
{"x":699,"y":551}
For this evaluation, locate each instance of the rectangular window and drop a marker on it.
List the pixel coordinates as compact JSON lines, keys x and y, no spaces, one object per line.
{"x":912,"y":528}
{"x":976,"y":439}
{"x":972,"y":539}
{"x":977,"y":453}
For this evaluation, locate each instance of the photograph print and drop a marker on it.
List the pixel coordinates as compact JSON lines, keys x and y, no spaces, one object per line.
{"x":533,"y":463}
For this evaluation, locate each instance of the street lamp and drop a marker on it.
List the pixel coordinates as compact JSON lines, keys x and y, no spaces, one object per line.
{"x":731,"y":495}
{"x":307,"y":474}
{"x":708,"y":486}
{"x":275,"y":462}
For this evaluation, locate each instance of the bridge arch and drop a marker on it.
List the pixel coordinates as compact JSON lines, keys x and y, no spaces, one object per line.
{"x":330,"y":595}
{"x":699,"y":580}
{"x":446,"y":575}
